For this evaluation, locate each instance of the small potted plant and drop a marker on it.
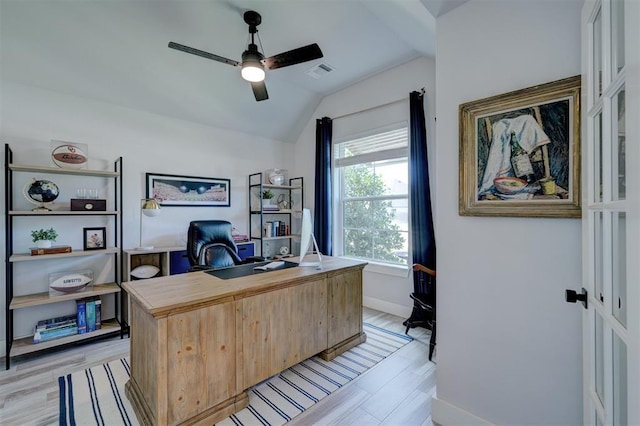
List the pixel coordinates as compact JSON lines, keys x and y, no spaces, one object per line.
{"x":44,"y":237}
{"x":267,"y":195}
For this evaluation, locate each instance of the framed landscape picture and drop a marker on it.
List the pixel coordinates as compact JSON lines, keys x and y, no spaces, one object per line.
{"x":520,"y":153}
{"x":192,"y":191}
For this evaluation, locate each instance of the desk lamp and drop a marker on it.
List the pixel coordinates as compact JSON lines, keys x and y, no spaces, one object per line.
{"x":151,"y":208}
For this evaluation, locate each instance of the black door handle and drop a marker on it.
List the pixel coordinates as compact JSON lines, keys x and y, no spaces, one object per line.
{"x":572,"y":296}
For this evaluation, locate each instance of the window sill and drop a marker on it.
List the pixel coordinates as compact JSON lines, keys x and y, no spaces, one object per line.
{"x":385,"y":268}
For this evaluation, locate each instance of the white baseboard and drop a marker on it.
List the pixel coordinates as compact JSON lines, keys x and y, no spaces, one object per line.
{"x":388,"y":307}
{"x":446,"y":414}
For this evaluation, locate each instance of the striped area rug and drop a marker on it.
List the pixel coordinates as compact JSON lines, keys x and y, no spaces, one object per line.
{"x":96,"y":395}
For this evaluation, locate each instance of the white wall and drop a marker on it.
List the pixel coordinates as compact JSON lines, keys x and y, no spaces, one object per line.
{"x":31,"y":117}
{"x":384,"y":289}
{"x":509,"y":347}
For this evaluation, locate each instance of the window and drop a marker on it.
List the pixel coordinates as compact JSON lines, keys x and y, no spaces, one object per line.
{"x":371,"y":180}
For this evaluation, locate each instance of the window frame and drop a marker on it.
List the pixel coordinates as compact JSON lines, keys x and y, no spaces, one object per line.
{"x":337,"y":166}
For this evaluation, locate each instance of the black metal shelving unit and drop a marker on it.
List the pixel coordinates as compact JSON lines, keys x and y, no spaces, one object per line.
{"x":115,"y":326}
{"x":294,"y":194}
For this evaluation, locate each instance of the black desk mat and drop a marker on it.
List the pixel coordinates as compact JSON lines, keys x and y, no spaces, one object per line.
{"x":244,"y":270}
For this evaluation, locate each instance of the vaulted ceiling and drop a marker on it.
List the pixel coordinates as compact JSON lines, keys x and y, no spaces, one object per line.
{"x":116,"y":52}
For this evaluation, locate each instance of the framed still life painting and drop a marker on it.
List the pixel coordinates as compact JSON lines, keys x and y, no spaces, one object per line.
{"x":520,"y":153}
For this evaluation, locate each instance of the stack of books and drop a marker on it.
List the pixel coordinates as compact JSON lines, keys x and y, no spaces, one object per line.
{"x":270,"y":208}
{"x":88,"y":317}
{"x":55,"y":328}
{"x":239,"y":238}
{"x":276,"y":228}
{"x":89,"y":314}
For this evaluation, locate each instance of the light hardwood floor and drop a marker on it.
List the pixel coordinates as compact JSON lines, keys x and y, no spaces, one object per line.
{"x":397,"y":391}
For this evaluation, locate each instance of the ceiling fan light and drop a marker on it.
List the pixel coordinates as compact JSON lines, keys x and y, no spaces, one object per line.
{"x":252,"y":71}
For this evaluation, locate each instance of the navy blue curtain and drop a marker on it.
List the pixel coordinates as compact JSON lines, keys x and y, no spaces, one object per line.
{"x":322,"y":213}
{"x":422,"y":233}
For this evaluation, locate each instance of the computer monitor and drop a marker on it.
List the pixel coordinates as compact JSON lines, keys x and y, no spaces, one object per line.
{"x":306,"y":237}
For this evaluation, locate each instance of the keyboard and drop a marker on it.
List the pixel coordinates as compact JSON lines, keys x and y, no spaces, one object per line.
{"x":269,"y":266}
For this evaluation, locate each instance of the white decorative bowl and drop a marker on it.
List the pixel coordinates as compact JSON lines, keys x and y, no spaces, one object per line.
{"x":509,"y":185}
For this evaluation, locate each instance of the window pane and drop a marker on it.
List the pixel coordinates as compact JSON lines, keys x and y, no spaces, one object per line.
{"x":617,"y":39}
{"x":358,"y":243}
{"x":376,"y":229}
{"x":394,"y":175}
{"x":619,"y":381}
{"x":618,"y":168}
{"x":598,"y":256}
{"x":599,"y":357}
{"x":597,"y":158}
{"x":619,"y":270}
{"x":597,"y":55}
{"x":388,"y":177}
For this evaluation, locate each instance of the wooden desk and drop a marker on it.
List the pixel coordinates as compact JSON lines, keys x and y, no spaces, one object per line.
{"x":199,"y":342}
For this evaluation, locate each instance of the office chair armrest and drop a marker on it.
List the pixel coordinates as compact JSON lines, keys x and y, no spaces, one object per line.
{"x":252,"y":259}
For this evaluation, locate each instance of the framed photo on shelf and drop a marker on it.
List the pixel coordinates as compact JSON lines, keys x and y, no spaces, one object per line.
{"x":520,"y":153}
{"x":191,"y":191}
{"x":95,"y":238}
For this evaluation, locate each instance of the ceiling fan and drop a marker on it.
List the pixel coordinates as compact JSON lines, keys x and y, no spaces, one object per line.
{"x":253,"y":62}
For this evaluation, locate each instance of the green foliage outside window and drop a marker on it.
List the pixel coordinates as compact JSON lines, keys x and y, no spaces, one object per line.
{"x":369,"y":231}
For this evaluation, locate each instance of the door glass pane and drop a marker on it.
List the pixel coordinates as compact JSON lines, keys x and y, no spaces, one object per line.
{"x":597,"y":55}
{"x":617,"y":37}
{"x":619,"y":381}
{"x":618,"y":151}
{"x":619,"y":270}
{"x":598,"y":270}
{"x":599,"y":357}
{"x":597,"y":158}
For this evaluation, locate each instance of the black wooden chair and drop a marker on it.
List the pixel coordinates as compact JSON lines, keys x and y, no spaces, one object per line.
{"x":211,"y":246}
{"x":424,"y":303}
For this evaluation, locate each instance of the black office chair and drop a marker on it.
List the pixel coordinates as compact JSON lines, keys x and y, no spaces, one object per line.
{"x":211,"y":246}
{"x":424,"y":303}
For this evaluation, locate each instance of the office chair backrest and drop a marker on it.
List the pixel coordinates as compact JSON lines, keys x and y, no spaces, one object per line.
{"x":209,"y":243}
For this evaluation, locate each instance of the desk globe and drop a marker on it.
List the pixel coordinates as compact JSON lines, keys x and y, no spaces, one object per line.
{"x":40,"y":192}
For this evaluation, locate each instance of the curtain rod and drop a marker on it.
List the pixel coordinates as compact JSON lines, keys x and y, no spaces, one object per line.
{"x":374,"y":107}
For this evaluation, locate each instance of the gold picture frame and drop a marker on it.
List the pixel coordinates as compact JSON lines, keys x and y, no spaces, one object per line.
{"x":544,"y":120}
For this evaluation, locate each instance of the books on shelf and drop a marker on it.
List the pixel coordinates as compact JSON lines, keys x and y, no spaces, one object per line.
{"x":90,"y":311}
{"x":35,"y":251}
{"x":55,"y":328}
{"x":54,"y":322}
{"x":98,"y":302}
{"x":240,"y":238}
{"x":89,"y":314}
{"x":81,"y":316}
{"x":276,"y":228}
{"x":55,"y":333}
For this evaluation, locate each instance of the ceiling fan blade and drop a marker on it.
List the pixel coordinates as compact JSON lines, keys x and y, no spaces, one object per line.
{"x":292,"y":57}
{"x":202,"y":53}
{"x":260,"y":90}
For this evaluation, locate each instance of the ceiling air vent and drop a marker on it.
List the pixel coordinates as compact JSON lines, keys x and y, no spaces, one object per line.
{"x":320,"y":70}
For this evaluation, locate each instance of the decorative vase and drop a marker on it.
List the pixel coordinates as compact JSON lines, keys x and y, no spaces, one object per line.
{"x":266,"y":201}
{"x":43,"y":243}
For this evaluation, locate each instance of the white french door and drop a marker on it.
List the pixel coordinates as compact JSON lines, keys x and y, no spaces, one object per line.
{"x":611,"y":211}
